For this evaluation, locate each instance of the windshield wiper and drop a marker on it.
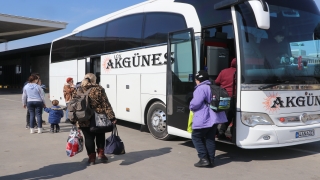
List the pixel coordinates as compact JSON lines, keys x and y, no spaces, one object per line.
{"x":273,"y":85}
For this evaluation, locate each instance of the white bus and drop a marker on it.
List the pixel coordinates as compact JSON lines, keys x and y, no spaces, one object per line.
{"x":277,"y":98}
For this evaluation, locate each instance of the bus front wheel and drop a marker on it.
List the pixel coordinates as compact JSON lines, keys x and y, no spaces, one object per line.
{"x":157,"y":121}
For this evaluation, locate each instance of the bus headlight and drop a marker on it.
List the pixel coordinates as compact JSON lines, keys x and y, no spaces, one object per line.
{"x":253,"y":119}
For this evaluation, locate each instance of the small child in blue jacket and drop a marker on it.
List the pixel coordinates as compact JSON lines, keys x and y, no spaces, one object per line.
{"x":55,"y":115}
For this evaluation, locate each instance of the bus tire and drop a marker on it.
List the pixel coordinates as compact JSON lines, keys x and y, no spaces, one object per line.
{"x":156,"y":121}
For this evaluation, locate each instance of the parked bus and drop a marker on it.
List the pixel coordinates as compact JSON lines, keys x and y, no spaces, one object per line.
{"x":146,"y":56}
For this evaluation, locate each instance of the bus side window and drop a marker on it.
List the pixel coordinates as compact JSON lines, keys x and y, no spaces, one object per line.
{"x":124,"y":33}
{"x":159,"y":24}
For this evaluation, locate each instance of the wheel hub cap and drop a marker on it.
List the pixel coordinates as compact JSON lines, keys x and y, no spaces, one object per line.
{"x":159,"y":120}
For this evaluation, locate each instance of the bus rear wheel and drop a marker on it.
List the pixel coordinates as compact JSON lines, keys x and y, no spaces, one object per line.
{"x":157,"y":121}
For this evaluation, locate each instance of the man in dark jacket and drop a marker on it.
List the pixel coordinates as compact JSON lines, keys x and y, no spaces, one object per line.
{"x":226,"y":80}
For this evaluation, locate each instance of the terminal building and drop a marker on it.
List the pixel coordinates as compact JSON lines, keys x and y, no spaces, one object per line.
{"x":16,"y":65}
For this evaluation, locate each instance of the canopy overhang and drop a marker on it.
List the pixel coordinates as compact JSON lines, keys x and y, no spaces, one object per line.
{"x":18,"y":27}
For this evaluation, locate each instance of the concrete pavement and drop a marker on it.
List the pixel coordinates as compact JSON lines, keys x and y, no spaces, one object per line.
{"x":42,"y":156}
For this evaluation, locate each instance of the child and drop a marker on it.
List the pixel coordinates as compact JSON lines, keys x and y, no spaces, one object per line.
{"x":55,"y":115}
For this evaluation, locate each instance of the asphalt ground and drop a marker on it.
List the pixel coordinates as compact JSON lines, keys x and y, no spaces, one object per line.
{"x":43,"y":156}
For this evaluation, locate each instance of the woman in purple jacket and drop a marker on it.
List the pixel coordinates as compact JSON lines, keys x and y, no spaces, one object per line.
{"x":205,"y":121}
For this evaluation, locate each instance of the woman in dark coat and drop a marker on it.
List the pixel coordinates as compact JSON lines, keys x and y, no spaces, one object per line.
{"x":100,"y":104}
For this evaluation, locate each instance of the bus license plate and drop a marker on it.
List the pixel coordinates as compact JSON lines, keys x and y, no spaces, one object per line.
{"x":306,"y":133}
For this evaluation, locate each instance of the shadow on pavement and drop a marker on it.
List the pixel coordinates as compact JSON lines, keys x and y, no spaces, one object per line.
{"x":64,"y":127}
{"x":49,"y":172}
{"x":231,"y":153}
{"x":134,"y":157}
{"x":129,"y":124}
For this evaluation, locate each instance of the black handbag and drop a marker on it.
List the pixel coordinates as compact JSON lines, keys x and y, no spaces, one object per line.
{"x":99,"y":123}
{"x":114,"y":144}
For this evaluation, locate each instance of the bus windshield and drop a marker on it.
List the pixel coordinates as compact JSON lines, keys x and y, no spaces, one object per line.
{"x":288,"y":52}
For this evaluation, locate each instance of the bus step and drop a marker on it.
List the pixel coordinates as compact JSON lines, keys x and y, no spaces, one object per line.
{"x":227,"y":141}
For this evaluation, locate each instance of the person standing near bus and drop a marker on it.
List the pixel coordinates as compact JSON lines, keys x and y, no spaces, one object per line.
{"x":28,"y":114}
{"x":100,"y":104}
{"x":205,"y":121}
{"x":34,"y":100}
{"x":226,"y":80}
{"x":68,"y":88}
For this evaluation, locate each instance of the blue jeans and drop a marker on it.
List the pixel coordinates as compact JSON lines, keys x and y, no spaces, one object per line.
{"x":35,"y":109}
{"x":204,"y":142}
{"x":67,"y":111}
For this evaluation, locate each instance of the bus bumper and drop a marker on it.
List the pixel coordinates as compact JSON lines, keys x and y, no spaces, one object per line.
{"x":269,"y":136}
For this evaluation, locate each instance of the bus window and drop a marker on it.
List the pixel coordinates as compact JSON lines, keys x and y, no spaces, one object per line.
{"x":159,"y":24}
{"x":57,"y":51}
{"x":72,"y":46}
{"x":92,"y":40}
{"x":124,"y":33}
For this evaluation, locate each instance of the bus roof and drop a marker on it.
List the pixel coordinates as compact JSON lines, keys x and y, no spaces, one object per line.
{"x":109,"y":16}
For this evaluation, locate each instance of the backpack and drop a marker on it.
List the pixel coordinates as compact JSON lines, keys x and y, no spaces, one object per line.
{"x":79,"y":107}
{"x":220,"y":99}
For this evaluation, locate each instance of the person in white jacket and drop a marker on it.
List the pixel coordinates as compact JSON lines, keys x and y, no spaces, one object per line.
{"x":34,"y":99}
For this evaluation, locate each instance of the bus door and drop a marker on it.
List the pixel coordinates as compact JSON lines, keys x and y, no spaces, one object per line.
{"x":218,"y":50}
{"x":93,"y":65}
{"x":180,"y":80}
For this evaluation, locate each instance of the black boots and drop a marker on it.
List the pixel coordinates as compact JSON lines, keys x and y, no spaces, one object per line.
{"x":52,"y":128}
{"x":57,"y":129}
{"x":204,"y":162}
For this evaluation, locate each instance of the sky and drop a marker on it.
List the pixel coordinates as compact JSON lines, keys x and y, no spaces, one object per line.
{"x":73,"y":12}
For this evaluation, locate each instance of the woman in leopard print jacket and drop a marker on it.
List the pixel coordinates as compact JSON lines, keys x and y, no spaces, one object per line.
{"x":100,"y":104}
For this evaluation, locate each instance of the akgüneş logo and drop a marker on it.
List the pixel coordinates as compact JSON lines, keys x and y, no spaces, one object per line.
{"x":119,"y":61}
{"x":273,"y":102}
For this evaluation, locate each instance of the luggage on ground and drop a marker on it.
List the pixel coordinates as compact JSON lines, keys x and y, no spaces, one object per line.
{"x":74,"y":142}
{"x":114,"y":144}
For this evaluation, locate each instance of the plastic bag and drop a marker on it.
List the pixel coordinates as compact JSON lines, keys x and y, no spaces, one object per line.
{"x":189,"y":129}
{"x":74,"y":142}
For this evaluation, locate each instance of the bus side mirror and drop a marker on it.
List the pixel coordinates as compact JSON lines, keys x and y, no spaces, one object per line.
{"x":261,"y":13}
